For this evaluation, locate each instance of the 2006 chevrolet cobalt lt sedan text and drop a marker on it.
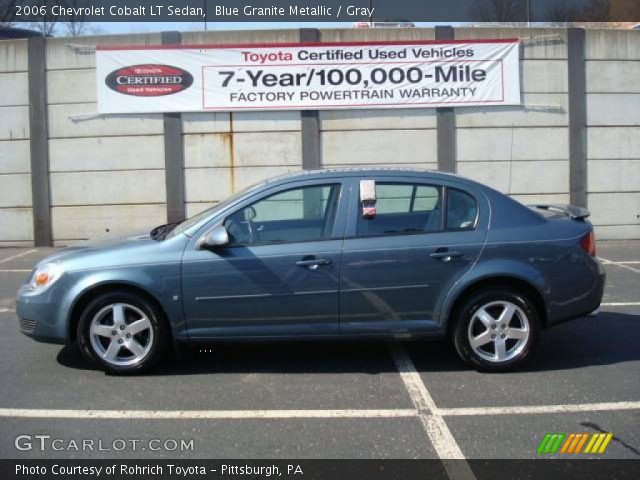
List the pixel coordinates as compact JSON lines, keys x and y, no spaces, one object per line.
{"x":353,"y":253}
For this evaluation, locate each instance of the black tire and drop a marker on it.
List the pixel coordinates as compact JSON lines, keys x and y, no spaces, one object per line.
{"x":157,"y":335}
{"x":464,"y":315}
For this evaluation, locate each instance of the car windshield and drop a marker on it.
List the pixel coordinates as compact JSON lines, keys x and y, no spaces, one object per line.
{"x":173,"y":229}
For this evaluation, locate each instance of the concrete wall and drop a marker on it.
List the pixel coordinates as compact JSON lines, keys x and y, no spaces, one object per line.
{"x":613,"y":133}
{"x":16,"y":219}
{"x":226,"y":152}
{"x":523,"y":150}
{"x":107,"y":174}
{"x":399,"y":137}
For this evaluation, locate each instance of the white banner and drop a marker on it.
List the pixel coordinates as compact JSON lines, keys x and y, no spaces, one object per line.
{"x":308,"y":76}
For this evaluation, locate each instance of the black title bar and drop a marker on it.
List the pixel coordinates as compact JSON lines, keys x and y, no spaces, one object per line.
{"x":480,"y":11}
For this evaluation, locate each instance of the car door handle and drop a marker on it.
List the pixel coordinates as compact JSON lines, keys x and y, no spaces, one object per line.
{"x":313,"y":263}
{"x":446,"y":255}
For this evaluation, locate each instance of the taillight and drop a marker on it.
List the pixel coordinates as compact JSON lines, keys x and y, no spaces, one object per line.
{"x":588,"y":243}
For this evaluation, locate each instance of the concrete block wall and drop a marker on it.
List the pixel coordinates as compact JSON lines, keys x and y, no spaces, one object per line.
{"x":380,"y":137}
{"x":524,"y":150}
{"x":106,"y":173}
{"x":16,"y":219}
{"x":613,"y":132}
{"x":227,"y":152}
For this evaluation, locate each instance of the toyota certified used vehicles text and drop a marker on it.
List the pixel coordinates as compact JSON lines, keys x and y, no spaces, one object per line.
{"x":328,"y":254}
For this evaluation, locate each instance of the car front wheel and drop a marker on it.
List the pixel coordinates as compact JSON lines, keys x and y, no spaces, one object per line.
{"x":496,"y":329}
{"x":122,"y":332}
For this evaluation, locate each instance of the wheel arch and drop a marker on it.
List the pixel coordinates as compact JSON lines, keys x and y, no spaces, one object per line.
{"x":92,"y":292}
{"x":497,"y":281}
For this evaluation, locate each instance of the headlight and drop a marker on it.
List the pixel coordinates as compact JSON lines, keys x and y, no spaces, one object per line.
{"x":45,"y":276}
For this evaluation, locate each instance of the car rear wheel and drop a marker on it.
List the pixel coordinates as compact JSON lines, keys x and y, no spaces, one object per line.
{"x":122,"y":332}
{"x":496,"y":329}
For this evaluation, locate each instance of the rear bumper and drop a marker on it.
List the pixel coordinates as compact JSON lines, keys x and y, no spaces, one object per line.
{"x":586,"y":304}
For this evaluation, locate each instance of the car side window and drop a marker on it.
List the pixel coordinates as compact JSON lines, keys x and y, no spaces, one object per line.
{"x":462,"y":210}
{"x":297,"y":215}
{"x":403,"y":208}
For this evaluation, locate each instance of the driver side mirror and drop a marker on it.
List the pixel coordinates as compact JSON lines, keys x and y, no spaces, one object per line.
{"x":215,"y":238}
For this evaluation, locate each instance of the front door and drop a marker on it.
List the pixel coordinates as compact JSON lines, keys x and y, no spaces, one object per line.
{"x":280,"y":273}
{"x":399,"y":264}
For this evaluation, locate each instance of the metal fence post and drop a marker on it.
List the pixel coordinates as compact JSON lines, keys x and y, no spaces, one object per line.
{"x":446,"y":120}
{"x":577,"y":117}
{"x":174,"y":152}
{"x":39,"y":142}
{"x":311,"y":146}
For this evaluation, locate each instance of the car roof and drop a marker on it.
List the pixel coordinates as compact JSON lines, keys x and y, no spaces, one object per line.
{"x":365,"y":171}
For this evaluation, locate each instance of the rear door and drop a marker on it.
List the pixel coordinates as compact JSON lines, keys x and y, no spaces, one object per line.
{"x":399,"y":265}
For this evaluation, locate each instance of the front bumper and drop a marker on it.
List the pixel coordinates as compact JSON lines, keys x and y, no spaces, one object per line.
{"x":42,"y":316}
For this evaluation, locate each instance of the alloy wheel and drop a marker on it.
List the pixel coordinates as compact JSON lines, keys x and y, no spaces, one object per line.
{"x":498,"y":331}
{"x":121,"y":334}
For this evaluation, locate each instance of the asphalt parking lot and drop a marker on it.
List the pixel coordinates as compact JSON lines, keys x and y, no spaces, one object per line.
{"x":333,"y":400}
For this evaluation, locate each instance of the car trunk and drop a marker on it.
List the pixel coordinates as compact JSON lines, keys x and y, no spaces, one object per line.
{"x":577,"y":216}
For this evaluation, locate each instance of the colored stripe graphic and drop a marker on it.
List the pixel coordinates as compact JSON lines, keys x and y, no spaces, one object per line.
{"x":576,"y":439}
{"x":594,"y":437}
{"x":550,"y":443}
{"x":543,"y":443}
{"x":606,"y":442}
{"x":573,"y":443}
{"x":584,"y":439}
{"x":598,"y":443}
{"x":567,"y":442}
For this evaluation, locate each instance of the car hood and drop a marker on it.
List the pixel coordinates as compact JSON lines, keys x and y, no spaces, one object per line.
{"x":104,"y":251}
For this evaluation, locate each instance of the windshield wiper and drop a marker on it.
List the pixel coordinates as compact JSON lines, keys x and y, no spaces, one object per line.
{"x":160,"y":232}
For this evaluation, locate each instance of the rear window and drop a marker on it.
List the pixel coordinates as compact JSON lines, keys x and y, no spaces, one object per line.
{"x":403,"y":209}
{"x":462,"y":210}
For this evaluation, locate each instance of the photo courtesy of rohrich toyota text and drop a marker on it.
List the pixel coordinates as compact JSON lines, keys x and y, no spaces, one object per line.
{"x":353,"y":239}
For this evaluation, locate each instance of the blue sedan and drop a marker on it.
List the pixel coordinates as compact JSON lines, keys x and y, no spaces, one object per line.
{"x":328,"y":254}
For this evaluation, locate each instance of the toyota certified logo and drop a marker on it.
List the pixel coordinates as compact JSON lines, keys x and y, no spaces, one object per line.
{"x":149,"y":80}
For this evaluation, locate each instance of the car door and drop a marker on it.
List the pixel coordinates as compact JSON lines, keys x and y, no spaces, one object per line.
{"x":399,"y":264}
{"x":280,"y":273}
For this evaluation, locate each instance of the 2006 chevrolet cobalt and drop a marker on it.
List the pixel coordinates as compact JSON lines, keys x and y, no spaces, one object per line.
{"x":353,"y":253}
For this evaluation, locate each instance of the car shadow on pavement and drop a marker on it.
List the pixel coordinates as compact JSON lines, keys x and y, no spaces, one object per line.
{"x":306,"y":357}
{"x":607,"y":339}
{"x":611,"y":338}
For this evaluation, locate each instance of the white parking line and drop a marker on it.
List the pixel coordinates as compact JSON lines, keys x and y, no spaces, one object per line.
{"x":204,"y":414}
{"x":525,"y":410}
{"x":346,"y":413}
{"x":443,"y":441}
{"x":18,"y":255}
{"x":619,"y":264}
{"x":15,"y":270}
{"x":5,"y":310}
{"x":620,"y":304}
